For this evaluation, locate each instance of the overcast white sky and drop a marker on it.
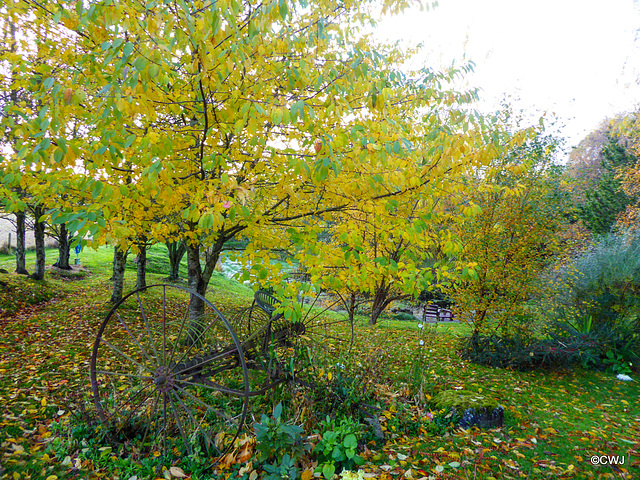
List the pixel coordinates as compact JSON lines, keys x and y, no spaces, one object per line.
{"x":576,"y":58}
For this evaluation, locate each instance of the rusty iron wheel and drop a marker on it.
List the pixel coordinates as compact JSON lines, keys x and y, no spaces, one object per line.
{"x":168,"y":374}
{"x":318,"y":331}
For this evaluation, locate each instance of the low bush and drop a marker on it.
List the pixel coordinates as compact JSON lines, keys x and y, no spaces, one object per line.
{"x":275,"y":439}
{"x":526,"y":353}
{"x":346,"y":389}
{"x":337,"y":449}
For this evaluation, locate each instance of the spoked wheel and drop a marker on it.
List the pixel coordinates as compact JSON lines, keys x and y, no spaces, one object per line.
{"x":327,"y":332}
{"x":318,"y":331}
{"x":168,"y":370}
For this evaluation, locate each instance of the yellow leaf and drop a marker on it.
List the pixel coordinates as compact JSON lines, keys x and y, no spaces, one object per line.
{"x":247,"y":468}
{"x":43,"y":402}
{"x":17,"y":449}
{"x":306,"y":475}
{"x":228,"y":460}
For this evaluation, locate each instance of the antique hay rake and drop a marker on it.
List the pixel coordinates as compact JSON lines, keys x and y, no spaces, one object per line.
{"x":173,"y":380}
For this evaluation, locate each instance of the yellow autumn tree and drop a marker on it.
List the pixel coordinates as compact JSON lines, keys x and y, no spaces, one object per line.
{"x":391,"y":250}
{"x":203,"y":121}
{"x":511,"y":238}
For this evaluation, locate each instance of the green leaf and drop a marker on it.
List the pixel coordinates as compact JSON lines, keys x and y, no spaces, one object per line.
{"x":216,"y":22}
{"x":22,"y":153}
{"x":284,"y":9}
{"x":129,"y":140}
{"x":97,"y":188}
{"x":206,"y":221}
{"x":328,"y":470}
{"x":43,"y":145}
{"x":154,"y":70}
{"x":8,"y":179}
{"x":277,"y":411}
{"x":127,"y":50}
{"x":350,"y":441}
{"x":276,"y":116}
{"x":140,"y":63}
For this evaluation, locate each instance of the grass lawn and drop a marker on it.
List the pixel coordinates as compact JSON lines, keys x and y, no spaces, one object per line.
{"x":555,"y":421}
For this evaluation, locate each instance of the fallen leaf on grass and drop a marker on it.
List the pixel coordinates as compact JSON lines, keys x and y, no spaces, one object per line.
{"x":177,"y":472}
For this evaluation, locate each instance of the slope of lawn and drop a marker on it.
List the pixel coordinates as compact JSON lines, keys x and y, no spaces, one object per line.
{"x":555,"y":421}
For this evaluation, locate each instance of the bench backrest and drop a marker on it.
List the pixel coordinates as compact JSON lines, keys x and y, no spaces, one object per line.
{"x":266,"y":301}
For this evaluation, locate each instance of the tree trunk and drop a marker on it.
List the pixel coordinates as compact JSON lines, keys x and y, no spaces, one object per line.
{"x":141,"y":273}
{"x":478,"y":321}
{"x":198,"y":281}
{"x":38,"y":273}
{"x":176,"y":252}
{"x":352,"y":307}
{"x":119,"y":262}
{"x":350,"y":304}
{"x":64,"y":249}
{"x":21,"y":242}
{"x":380,"y":302}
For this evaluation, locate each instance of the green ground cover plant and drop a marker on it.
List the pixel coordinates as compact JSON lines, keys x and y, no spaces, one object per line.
{"x":555,"y":419}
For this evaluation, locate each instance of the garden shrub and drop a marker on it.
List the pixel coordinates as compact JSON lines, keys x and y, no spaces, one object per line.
{"x":347,"y":389}
{"x":607,"y":280}
{"x":598,"y":293}
{"x":528,"y":353}
{"x":339,"y":395}
{"x":274,"y":438}
{"x":611,"y":346}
